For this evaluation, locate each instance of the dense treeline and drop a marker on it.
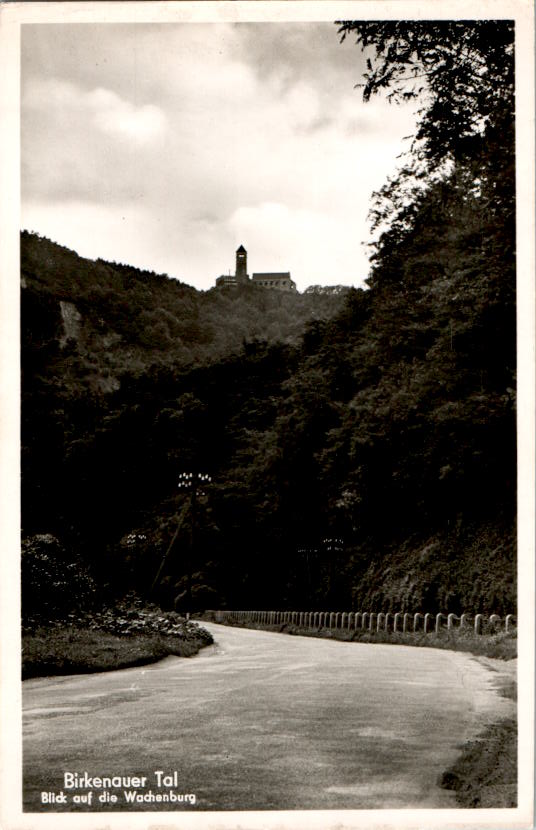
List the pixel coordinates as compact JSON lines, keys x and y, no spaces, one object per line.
{"x":368,"y":460}
{"x":114,"y":318}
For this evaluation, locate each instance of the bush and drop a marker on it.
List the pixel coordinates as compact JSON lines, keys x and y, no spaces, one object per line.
{"x":54,"y":582}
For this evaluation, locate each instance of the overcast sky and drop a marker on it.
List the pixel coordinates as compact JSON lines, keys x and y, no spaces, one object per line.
{"x":167,"y":146}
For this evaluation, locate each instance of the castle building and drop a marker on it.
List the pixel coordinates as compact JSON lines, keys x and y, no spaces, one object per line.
{"x":241,"y":269}
{"x":280,"y":280}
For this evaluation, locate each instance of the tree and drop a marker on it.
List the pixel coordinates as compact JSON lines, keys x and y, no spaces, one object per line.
{"x":462,"y":72}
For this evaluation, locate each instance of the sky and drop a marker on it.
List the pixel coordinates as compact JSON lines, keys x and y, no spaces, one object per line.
{"x":166,"y":146}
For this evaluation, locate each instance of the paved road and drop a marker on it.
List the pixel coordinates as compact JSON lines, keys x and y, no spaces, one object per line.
{"x":263,"y":721}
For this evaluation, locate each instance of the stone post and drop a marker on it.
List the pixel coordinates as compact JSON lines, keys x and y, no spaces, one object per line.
{"x":464,"y":620}
{"x":427,"y":619}
{"x":357,"y":619}
{"x":380,"y":620}
{"x":405,"y":622}
{"x":387,"y":621}
{"x":450,"y":621}
{"x":396,"y":620}
{"x":509,"y":623}
{"x":372,"y":621}
{"x":478,"y":624}
{"x":438,"y":619}
{"x":416,"y":618}
{"x":364,"y":619}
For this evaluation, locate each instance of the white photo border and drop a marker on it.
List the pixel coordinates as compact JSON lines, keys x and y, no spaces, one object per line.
{"x":12,"y":17}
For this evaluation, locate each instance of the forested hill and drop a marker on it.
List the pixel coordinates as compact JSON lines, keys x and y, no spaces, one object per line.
{"x":370,"y":462}
{"x":108,"y":318}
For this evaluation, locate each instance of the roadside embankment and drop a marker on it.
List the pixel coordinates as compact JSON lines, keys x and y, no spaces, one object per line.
{"x":108,"y":639}
{"x":485,"y":773}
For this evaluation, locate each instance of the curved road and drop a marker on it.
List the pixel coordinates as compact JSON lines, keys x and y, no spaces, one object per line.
{"x":263,"y":721}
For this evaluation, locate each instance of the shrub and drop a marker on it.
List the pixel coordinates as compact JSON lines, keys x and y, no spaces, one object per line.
{"x":54,"y":581}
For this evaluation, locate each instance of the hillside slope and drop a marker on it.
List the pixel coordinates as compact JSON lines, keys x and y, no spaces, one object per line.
{"x":369,"y":463}
{"x":108,"y":318}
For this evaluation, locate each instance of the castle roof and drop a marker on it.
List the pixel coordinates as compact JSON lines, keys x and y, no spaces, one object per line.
{"x":241,"y":250}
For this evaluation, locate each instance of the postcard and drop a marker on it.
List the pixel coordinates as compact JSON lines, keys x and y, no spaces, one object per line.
{"x":267,"y":352}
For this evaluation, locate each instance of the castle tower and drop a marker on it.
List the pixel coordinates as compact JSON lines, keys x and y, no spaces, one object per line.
{"x":241,"y":272}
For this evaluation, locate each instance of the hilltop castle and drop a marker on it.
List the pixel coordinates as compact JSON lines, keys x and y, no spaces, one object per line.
{"x":280,"y":280}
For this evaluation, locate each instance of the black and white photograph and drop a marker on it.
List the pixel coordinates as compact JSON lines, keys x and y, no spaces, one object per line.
{"x":270,"y":342}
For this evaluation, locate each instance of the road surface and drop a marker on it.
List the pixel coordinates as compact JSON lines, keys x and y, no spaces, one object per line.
{"x":260,"y":721}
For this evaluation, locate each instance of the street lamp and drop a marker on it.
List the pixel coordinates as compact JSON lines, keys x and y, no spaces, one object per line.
{"x":193,"y":482}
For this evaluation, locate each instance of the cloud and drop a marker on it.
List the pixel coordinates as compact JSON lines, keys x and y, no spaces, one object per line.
{"x":203,"y":136}
{"x":114,"y":116}
{"x":100,"y":107}
{"x":87,"y":144}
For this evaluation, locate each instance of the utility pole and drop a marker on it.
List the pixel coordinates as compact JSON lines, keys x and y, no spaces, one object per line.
{"x":192,"y":482}
{"x":193,"y":516}
{"x":156,"y":580}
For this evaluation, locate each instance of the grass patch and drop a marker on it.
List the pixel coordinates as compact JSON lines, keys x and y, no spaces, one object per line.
{"x":127,"y":634}
{"x":52,"y":651}
{"x":485,"y":774}
{"x":501,"y":646}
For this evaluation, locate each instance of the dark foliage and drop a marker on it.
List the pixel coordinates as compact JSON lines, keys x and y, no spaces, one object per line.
{"x":54,"y":581}
{"x":361,"y":446}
